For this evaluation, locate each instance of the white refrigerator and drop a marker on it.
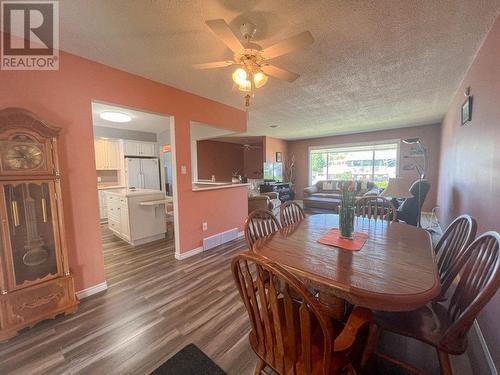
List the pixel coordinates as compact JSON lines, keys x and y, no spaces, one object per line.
{"x":142,"y":173}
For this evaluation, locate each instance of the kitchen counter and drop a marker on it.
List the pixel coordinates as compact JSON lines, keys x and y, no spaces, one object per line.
{"x":110,"y":186}
{"x":209,"y":185}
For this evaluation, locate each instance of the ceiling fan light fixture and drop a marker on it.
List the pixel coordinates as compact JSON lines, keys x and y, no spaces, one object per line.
{"x":240,"y":76}
{"x":259,"y":79}
{"x":245,"y":86}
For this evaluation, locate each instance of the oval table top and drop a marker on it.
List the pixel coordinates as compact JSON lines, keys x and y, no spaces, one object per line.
{"x":394,"y":271}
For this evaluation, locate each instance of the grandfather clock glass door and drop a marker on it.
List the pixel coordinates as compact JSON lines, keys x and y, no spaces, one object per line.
{"x":32,"y":232}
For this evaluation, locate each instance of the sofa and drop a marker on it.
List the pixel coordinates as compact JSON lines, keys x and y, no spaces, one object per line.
{"x":326,"y":194}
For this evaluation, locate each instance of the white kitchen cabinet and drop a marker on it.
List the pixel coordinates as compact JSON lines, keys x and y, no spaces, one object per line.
{"x":131,"y":220}
{"x":107,"y":154}
{"x":103,"y":209}
{"x":103,"y":214}
{"x":137,"y":148}
{"x":148,"y":149}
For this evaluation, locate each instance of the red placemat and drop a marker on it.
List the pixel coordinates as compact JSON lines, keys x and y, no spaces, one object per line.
{"x":332,"y":238}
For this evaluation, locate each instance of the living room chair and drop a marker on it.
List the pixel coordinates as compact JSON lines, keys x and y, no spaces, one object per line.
{"x":409,"y":210}
{"x":260,"y":223}
{"x":375,"y":207}
{"x":292,"y":335}
{"x":451,"y":246}
{"x":291,"y":213}
{"x":265,"y":201}
{"x":444,"y":324}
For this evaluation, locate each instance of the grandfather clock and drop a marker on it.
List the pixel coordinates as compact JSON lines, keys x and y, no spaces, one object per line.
{"x":35,"y":281}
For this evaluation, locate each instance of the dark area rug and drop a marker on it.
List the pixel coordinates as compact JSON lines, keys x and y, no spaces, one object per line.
{"x":380,"y":366}
{"x":189,"y":361}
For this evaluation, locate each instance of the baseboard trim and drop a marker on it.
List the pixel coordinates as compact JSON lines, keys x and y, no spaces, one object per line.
{"x":92,"y":290}
{"x":486,"y":350}
{"x":198,"y":250}
{"x":187,"y":254}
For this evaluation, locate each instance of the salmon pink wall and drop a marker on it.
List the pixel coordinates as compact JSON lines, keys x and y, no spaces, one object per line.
{"x":64,"y":97}
{"x":220,"y":159}
{"x":470,"y":161}
{"x":254,"y":162}
{"x":272,"y":146}
{"x":429,"y":134}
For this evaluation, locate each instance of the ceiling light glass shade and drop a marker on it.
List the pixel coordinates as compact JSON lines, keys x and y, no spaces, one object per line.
{"x":259,"y":79}
{"x":115,"y":116}
{"x":240,"y":76}
{"x":245,"y":86}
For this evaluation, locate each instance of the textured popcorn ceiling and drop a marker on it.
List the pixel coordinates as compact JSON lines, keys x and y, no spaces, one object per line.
{"x":374,"y":65}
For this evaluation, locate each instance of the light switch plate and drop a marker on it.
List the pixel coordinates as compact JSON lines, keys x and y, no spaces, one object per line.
{"x":183,"y":169}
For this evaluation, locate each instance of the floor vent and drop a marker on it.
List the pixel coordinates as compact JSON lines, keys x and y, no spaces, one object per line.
{"x":220,"y":238}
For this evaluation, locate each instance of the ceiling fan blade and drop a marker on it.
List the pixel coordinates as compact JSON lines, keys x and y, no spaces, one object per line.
{"x":279,"y":73}
{"x":288,"y":45}
{"x":224,"y":32}
{"x":212,"y":65}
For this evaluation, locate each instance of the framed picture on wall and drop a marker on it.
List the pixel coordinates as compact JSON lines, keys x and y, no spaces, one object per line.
{"x":278,"y":157}
{"x":467,"y":110}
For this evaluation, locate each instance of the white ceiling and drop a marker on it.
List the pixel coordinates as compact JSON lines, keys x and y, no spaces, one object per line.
{"x":141,"y":121}
{"x":374,"y":65}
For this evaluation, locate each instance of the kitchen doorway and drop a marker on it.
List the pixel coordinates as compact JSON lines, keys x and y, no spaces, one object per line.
{"x":135,"y":158}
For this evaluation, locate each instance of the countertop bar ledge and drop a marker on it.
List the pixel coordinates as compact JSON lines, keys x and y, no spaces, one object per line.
{"x":204,"y":187}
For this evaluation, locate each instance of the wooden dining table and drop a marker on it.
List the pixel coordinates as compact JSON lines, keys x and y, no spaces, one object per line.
{"x":395,"y":270}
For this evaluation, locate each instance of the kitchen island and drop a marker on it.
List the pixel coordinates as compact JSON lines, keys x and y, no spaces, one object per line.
{"x":136,"y":215}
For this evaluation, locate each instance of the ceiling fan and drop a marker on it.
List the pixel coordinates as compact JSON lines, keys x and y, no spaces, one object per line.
{"x":247,"y":147}
{"x":253,"y":61}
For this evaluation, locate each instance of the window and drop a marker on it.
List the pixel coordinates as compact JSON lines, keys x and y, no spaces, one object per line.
{"x":375,"y":162}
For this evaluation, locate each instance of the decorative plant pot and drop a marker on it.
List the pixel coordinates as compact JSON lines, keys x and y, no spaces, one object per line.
{"x":346,"y":222}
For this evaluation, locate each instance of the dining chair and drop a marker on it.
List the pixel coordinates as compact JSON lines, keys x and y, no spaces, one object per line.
{"x":291,"y":213}
{"x":444,"y":324}
{"x":451,"y":246}
{"x":288,"y":334}
{"x":259,"y":223}
{"x":375,"y":207}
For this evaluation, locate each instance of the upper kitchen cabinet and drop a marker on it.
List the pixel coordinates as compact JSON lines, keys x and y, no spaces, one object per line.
{"x":107,"y":154}
{"x":137,"y":148}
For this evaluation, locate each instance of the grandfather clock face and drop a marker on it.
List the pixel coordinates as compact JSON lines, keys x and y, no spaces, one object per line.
{"x":23,"y":157}
{"x":22,"y":154}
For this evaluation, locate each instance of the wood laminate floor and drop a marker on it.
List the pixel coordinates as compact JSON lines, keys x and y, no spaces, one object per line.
{"x":154,"y":306}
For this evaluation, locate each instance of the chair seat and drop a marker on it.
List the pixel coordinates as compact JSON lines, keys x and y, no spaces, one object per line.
{"x":338,"y":361}
{"x":428,"y":324}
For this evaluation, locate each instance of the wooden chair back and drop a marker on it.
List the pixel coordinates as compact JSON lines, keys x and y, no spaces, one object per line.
{"x":377,"y":208}
{"x":478,"y":276}
{"x":455,"y":239}
{"x":291,"y":213}
{"x":259,"y":223}
{"x":282,"y":325}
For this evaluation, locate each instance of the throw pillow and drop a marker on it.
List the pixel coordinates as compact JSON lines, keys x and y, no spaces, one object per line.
{"x":327,"y":186}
